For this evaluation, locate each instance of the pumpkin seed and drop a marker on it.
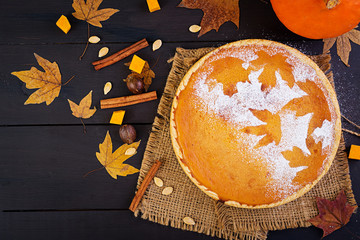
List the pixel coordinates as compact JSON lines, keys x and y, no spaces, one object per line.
{"x":103,"y":51}
{"x":107,"y":88}
{"x":167,"y":191}
{"x":194,"y":28}
{"x":94,"y":39}
{"x":130,"y":151}
{"x":189,"y":220}
{"x":158,"y":182}
{"x":156,"y":45}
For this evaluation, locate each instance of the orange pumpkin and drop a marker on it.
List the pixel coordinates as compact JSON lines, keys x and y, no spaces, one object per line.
{"x":318,"y":19}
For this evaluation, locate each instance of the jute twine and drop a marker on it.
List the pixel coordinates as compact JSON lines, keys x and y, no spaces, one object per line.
{"x":211,"y":217}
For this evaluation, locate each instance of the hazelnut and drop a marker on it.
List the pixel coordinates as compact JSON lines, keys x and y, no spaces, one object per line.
{"x":127,"y":133}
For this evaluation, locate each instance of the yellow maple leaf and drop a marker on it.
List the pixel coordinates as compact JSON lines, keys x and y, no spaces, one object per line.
{"x":113,"y":162}
{"x":89,"y":11}
{"x":48,"y":82}
{"x":216,"y":12}
{"x":83,"y":109}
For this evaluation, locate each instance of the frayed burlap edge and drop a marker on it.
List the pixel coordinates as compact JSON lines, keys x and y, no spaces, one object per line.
{"x":227,"y":228}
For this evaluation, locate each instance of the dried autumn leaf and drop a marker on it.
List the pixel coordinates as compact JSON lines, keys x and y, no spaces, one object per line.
{"x":216,"y":12}
{"x":332,"y":214}
{"x":343,"y":48}
{"x":328,"y":44}
{"x":83,"y":109}
{"x":113,"y":162}
{"x":343,"y":45}
{"x":48,"y":82}
{"x":146,"y":75}
{"x":89,"y":11}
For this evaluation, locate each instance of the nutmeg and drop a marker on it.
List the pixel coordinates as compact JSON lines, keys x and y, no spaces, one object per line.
{"x":135,"y":84}
{"x":127,"y":133}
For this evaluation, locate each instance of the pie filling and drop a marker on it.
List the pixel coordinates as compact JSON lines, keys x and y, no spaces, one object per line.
{"x":255,"y":124}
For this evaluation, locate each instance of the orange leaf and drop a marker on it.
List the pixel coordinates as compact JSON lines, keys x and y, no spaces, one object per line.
{"x":114,"y":161}
{"x":332,"y":214}
{"x":89,"y":11}
{"x":83,"y":109}
{"x":216,"y":12}
{"x":48,"y":82}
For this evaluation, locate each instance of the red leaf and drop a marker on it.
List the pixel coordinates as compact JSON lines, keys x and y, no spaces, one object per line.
{"x":332,"y":214}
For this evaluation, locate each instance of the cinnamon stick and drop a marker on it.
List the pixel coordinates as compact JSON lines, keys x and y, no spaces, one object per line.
{"x":127,"y":100}
{"x":144,"y":185}
{"x":120,"y":54}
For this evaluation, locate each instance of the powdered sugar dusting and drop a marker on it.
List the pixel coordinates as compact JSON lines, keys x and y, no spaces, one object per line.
{"x":294,"y":131}
{"x":249,"y":96}
{"x":301,"y":71}
{"x":323,"y":134}
{"x":280,"y":169}
{"x":246,"y":65}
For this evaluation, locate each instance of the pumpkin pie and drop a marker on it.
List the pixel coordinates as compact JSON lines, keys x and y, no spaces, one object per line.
{"x":255,"y":124}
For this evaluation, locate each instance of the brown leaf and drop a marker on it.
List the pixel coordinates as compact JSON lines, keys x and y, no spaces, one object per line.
{"x":48,"y":82}
{"x":343,"y":48}
{"x":216,"y":12}
{"x":354,"y":35}
{"x":114,"y":161}
{"x":332,"y":214}
{"x":328,"y":43}
{"x":146,"y":75}
{"x":343,"y":45}
{"x":83,"y":109}
{"x":89,"y":11}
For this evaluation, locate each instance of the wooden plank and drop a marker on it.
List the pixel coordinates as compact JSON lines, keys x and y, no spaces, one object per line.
{"x":35,"y":23}
{"x":43,"y":168}
{"x":123,"y":225}
{"x":13,"y":94}
{"x":86,"y":225}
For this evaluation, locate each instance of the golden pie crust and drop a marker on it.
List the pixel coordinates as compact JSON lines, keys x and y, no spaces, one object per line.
{"x":255,"y":124}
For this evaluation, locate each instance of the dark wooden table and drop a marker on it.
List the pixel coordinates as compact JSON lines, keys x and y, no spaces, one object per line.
{"x":44,"y":152}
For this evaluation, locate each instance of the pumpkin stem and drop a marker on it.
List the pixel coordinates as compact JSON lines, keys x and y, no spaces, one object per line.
{"x":330,"y":4}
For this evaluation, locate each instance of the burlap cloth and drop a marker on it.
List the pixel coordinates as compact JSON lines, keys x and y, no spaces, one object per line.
{"x":211,"y":217}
